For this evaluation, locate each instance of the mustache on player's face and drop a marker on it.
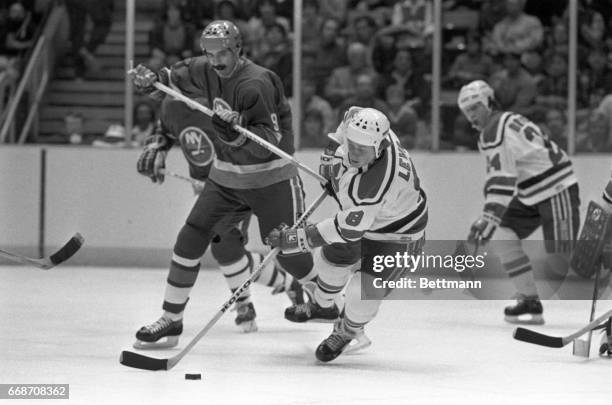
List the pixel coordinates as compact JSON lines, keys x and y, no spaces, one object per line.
{"x":219,"y":67}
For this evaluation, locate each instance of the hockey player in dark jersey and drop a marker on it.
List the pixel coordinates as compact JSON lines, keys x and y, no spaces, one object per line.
{"x":383,"y":211}
{"x":530,"y":183}
{"x":244,"y":177}
{"x":179,"y":124}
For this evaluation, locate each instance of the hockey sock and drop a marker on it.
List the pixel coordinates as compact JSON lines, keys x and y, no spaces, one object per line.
{"x":518,"y":268}
{"x":236,"y":274}
{"x":358,"y":312}
{"x":331,"y":280}
{"x":181,"y":278}
{"x":271,"y":275}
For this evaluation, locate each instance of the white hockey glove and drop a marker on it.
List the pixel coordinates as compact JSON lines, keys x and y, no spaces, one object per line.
{"x":153,"y":158}
{"x":484,"y":227}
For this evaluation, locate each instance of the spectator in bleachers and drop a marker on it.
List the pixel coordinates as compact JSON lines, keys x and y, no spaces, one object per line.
{"x":592,"y":31}
{"x":313,"y":133}
{"x":144,"y":122}
{"x":276,"y":55}
{"x":311,"y":24}
{"x":265,"y":16}
{"x":595,"y":137}
{"x":517,"y":32}
{"x":558,"y":39}
{"x":171,"y":39}
{"x":20,"y":29}
{"x":365,"y":96}
{"x":414,"y":15}
{"x":491,"y":13}
{"x":100,"y":12}
{"x":383,"y":51}
{"x":228,"y":10}
{"x":311,"y":101}
{"x":555,"y":126}
{"x":596,"y":75}
{"x":364,"y":31}
{"x":114,"y":137}
{"x":552,"y":89}
{"x":408,"y":78}
{"x":473,"y":64}
{"x":197,"y":13}
{"x":336,"y":9}
{"x":402,"y":117}
{"x":515,"y":88}
{"x":343,"y":81}
{"x":329,"y":54}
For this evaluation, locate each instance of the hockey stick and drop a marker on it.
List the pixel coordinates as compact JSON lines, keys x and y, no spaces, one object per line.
{"x":194,"y":182}
{"x":258,"y":140}
{"x":529,"y":336}
{"x":140,"y":361}
{"x":45,"y":263}
{"x":582,"y":347}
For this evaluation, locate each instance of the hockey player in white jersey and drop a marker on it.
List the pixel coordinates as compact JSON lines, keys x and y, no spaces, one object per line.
{"x":383,"y":209}
{"x":530,"y":183}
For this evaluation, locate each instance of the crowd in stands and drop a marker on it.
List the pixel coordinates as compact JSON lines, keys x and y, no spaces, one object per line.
{"x":18,"y":23}
{"x":378,"y":53}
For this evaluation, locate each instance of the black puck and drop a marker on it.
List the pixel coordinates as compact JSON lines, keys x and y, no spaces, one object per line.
{"x":193,"y":376}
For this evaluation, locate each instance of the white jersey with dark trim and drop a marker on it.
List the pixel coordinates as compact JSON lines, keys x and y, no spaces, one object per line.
{"x":522,"y":162}
{"x":382,"y":201}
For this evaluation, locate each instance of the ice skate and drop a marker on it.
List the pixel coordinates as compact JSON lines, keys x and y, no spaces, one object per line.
{"x":245,"y":317}
{"x":527,"y":311}
{"x":148,"y":337}
{"x":342,"y":340}
{"x":311,"y":311}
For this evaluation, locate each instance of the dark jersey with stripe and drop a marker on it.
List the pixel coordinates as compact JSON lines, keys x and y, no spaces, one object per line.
{"x":257,"y":95}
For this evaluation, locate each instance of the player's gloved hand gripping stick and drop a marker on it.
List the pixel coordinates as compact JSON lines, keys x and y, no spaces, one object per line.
{"x":272,"y":148}
{"x":136,"y":360}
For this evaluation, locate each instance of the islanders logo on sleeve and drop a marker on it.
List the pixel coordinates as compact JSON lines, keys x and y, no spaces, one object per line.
{"x":197,"y":146}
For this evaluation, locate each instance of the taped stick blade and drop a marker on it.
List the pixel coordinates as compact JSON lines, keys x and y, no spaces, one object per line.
{"x":529,"y":336}
{"x":581,"y":347}
{"x":135,"y":360}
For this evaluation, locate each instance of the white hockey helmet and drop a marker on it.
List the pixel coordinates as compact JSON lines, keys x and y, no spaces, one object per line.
{"x":368,"y":127}
{"x":474,"y":92}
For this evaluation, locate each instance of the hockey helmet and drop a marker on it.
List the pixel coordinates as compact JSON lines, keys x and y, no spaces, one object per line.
{"x":368,"y":127}
{"x":474,"y":92}
{"x":221,"y":34}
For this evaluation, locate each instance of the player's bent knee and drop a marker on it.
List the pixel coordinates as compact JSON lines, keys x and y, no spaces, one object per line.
{"x":342,"y":254}
{"x":228,"y":247}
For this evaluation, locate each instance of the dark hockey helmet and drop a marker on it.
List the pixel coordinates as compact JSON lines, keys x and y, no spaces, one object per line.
{"x":221,"y":34}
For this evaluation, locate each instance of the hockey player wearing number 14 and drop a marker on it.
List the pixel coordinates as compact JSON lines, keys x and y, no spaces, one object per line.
{"x":530,"y":183}
{"x":383,"y":211}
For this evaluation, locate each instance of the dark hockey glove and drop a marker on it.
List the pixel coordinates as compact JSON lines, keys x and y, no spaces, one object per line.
{"x":152,"y":160}
{"x":289,"y":241}
{"x":484,"y":227}
{"x":144,"y":78}
{"x":329,"y":168}
{"x":223,"y":122}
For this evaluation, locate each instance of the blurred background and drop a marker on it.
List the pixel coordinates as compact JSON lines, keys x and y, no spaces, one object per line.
{"x":64,"y":97}
{"x":63,"y":63}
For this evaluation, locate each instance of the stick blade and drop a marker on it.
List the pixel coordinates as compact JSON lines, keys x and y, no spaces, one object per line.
{"x":529,"y":336}
{"x":135,"y":360}
{"x":581,"y":348}
{"x":68,"y":250}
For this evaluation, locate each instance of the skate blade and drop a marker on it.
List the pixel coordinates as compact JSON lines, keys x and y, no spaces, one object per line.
{"x":248,"y":327}
{"x":359,"y":343}
{"x":581,"y":348}
{"x":167,"y":342}
{"x":525,"y":319}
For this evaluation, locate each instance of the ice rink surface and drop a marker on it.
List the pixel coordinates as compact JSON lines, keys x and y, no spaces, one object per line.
{"x":69,"y":325}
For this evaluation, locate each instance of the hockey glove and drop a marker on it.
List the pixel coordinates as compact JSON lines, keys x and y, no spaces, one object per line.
{"x":484,"y":227}
{"x":289,"y":241}
{"x":144,"y":78}
{"x":223,"y":122}
{"x":153,"y":158}
{"x":329,"y":168}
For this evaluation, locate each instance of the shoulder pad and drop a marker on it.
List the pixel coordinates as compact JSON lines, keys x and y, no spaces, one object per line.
{"x":183,"y":72}
{"x":493,"y":134}
{"x":369,"y":188}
